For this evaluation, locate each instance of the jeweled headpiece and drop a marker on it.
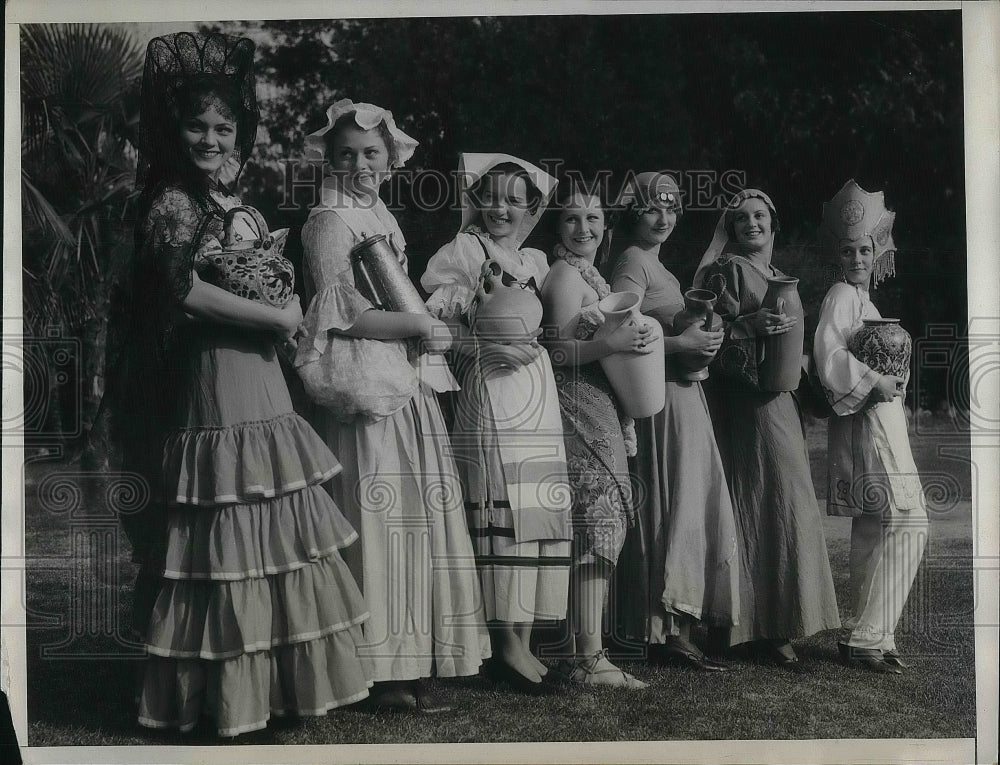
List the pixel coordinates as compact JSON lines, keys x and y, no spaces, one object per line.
{"x":177,"y":62}
{"x":651,"y":189}
{"x":855,"y":213}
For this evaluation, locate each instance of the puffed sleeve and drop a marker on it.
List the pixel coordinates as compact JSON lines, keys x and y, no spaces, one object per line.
{"x":452,"y":275}
{"x":349,"y":376}
{"x":539,"y":261}
{"x":847,"y":380}
{"x":337,"y":304}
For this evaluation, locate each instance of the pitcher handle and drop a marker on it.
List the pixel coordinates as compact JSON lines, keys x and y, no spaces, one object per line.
{"x":258,"y":219}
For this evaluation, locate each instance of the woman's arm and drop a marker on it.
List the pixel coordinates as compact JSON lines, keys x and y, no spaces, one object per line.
{"x":629,"y":276}
{"x":563,"y":294}
{"x":171,"y":228}
{"x":851,"y":383}
{"x":210,"y":303}
{"x":327,"y":243}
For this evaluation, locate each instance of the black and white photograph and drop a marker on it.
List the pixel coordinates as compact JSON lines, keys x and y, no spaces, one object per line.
{"x":504,"y":382}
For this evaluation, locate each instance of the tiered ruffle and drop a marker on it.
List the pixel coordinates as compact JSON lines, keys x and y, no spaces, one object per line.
{"x":258,"y":614}
{"x":246,"y":462}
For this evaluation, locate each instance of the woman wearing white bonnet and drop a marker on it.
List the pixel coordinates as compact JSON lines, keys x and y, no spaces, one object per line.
{"x":379,"y":413}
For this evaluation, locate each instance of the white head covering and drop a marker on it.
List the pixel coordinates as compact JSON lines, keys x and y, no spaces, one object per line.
{"x":472,"y":167}
{"x":366,"y":116}
{"x":854,"y":213}
{"x":721,"y":237}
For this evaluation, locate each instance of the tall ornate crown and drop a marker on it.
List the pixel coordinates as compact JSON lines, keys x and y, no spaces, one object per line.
{"x":854,"y":213}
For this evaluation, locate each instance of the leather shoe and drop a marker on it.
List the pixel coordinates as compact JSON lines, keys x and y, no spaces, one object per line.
{"x":683,"y":654}
{"x":427,"y":702}
{"x":770,"y":651}
{"x":865,"y":658}
{"x":893,"y":659}
{"x":393,"y":696}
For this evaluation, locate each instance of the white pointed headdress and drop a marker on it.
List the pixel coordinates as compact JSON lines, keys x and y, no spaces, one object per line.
{"x":472,"y":167}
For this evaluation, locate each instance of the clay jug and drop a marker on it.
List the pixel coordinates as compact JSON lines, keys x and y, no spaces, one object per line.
{"x":699,"y":308}
{"x":504,"y":310}
{"x":883,"y":345}
{"x":637,"y":378}
{"x":781,"y":366}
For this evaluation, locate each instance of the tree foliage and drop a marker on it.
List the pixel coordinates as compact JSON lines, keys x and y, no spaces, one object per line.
{"x":78,"y":109}
{"x":796,"y":103}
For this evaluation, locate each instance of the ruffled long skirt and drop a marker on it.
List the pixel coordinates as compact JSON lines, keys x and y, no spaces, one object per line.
{"x":258,"y":614}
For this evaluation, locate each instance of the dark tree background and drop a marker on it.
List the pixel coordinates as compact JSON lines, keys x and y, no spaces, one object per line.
{"x":797,"y":103}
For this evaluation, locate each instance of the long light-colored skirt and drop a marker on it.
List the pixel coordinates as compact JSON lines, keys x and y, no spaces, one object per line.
{"x":415,"y":564}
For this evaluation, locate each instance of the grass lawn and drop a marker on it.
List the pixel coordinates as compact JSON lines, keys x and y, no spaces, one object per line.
{"x":74,"y":700}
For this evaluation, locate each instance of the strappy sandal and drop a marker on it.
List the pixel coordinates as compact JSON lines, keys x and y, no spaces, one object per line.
{"x":586,"y":672}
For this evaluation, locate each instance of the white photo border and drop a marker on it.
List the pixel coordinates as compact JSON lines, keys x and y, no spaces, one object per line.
{"x":981,"y":45}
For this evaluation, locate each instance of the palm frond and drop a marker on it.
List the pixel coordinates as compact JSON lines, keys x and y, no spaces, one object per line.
{"x":84,"y":68}
{"x":43,"y":213}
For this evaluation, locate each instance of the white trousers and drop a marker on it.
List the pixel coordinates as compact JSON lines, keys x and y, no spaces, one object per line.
{"x":885,"y":553}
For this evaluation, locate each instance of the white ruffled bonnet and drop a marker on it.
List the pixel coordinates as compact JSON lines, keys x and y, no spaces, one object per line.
{"x":366,"y":116}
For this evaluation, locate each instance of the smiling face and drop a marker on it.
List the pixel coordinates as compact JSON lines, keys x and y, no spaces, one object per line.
{"x":752,"y":225}
{"x":503,"y":204}
{"x":581,"y":225}
{"x":857,"y":259}
{"x":654,"y":226}
{"x":209,"y":139}
{"x":361,"y":158}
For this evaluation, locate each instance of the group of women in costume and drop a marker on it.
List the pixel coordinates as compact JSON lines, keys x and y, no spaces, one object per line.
{"x":288,"y":568}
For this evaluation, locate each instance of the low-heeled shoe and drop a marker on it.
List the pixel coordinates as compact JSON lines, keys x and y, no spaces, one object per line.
{"x":871,"y":660}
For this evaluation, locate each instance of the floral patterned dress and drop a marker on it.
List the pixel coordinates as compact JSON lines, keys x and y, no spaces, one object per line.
{"x":598,"y":442}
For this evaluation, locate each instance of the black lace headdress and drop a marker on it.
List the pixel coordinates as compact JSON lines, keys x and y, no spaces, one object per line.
{"x":175,"y":65}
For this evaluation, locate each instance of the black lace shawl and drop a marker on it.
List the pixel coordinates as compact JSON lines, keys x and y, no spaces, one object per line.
{"x":148,"y":360}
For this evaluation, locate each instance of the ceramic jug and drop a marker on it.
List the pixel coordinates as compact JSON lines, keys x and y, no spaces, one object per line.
{"x":883,"y":345}
{"x":637,"y":378}
{"x":699,"y":308}
{"x":781,"y":366}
